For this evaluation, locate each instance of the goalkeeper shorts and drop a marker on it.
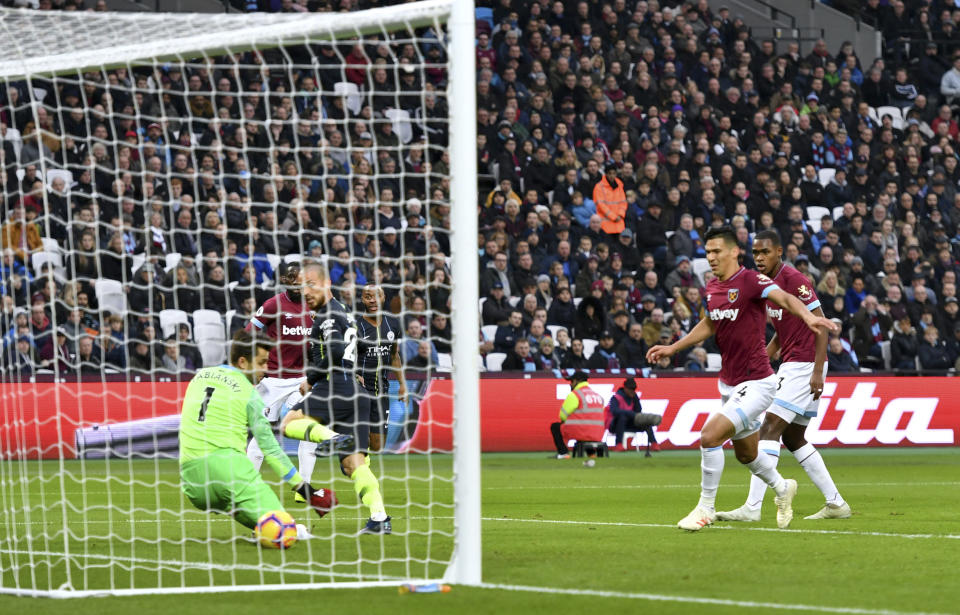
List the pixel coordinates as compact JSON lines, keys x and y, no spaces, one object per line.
{"x":226,"y":482}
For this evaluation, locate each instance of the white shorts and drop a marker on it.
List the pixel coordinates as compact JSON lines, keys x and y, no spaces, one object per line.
{"x":277,"y":392}
{"x":744,"y":403}
{"x":793,"y":402}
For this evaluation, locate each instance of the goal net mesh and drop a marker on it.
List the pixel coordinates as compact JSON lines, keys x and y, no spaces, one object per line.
{"x":159,"y":173}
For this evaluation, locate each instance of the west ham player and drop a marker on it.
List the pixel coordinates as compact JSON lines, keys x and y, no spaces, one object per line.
{"x":332,"y":399}
{"x":379,"y":351}
{"x":736,"y":309}
{"x":799,"y":386}
{"x":286,"y":319}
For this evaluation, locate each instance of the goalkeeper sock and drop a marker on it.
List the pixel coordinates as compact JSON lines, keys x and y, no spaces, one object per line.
{"x":254,"y":454}
{"x":307,"y":454}
{"x":368,"y":491}
{"x":308,"y":429}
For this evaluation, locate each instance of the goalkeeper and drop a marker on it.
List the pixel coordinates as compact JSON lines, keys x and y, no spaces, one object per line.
{"x":220,"y":404}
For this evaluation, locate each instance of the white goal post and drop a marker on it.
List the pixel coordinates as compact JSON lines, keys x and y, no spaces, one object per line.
{"x":44,"y":549}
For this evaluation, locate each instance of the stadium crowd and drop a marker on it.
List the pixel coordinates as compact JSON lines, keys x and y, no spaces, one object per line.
{"x":611,"y":135}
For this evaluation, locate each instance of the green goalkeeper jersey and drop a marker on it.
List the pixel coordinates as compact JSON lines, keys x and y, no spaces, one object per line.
{"x":219,"y":406}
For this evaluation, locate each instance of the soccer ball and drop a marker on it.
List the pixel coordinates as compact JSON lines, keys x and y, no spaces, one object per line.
{"x":276,"y":530}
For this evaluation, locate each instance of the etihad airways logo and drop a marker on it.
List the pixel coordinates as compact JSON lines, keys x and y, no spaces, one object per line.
{"x":718,"y":314}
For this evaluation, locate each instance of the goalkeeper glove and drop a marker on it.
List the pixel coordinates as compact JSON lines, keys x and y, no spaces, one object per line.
{"x":321,"y":500}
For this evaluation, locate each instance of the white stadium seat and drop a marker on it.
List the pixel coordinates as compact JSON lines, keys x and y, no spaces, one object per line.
{"x":208,"y":326}
{"x":110,"y":296}
{"x":495,"y":361}
{"x":171,"y":260}
{"x":589,"y":346}
{"x":214,"y":352}
{"x":489,"y":332}
{"x":700,"y":267}
{"x":815,"y":212}
{"x":53,"y":174}
{"x":444,"y":362}
{"x":825,"y":175}
{"x":169,"y":319}
{"x":349,"y":90}
{"x":400,"y":118}
{"x":713,"y":361}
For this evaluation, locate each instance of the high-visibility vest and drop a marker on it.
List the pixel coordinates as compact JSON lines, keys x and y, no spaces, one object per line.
{"x":586,"y":422}
{"x":611,"y":203}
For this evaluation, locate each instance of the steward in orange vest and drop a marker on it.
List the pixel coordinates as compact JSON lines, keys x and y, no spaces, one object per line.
{"x":611,"y":201}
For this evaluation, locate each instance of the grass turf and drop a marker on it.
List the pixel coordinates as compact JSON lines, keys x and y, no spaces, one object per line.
{"x":547,"y":523}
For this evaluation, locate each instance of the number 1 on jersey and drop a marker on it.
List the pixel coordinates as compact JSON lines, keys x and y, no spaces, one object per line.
{"x":203,"y":407}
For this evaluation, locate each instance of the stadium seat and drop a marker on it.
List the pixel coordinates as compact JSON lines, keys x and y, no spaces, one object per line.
{"x":110,"y":296}
{"x":482,"y":301}
{"x":50,"y":245}
{"x":887,"y":354}
{"x":814,"y":225}
{"x":589,"y":346}
{"x":484,"y":13}
{"x":815,"y":212}
{"x":13,"y":136}
{"x":214,"y":352}
{"x":837,"y":212}
{"x":53,"y":174}
{"x":293,"y":258}
{"x":169,"y":319}
{"x":713,"y":361}
{"x":825,"y":175}
{"x":700,"y":266}
{"x":205,"y":317}
{"x":209,"y":332}
{"x":489,"y":332}
{"x":553,"y":330}
{"x":401,"y":123}
{"x":444,"y":362}
{"x":274,"y":260}
{"x":350,"y":91}
{"x":514,"y":300}
{"x":576,"y":301}
{"x":227,"y":318}
{"x":893,"y":112}
{"x":495,"y":361}
{"x":39,"y":94}
{"x":137,"y":261}
{"x":872,"y":113}
{"x":38,"y":259}
{"x":171,"y":260}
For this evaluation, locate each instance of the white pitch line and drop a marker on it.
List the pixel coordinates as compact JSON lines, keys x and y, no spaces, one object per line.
{"x":697,"y":600}
{"x":727,"y":527}
{"x":733,"y":528}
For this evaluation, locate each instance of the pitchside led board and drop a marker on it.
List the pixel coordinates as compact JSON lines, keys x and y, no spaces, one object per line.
{"x":515,"y":413}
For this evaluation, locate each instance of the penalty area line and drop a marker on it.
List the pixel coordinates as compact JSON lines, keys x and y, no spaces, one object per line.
{"x":698,"y":600}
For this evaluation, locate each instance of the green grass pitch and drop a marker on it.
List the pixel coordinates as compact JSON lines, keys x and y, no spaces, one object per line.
{"x":547,"y":524}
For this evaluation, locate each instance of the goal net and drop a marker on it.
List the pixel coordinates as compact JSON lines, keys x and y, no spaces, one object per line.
{"x":160,"y":174}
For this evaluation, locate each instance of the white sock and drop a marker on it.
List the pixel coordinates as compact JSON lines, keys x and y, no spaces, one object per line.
{"x":811,"y":461}
{"x":307,"y":455}
{"x":711,"y":466}
{"x":765,"y":468}
{"x":254,"y":454}
{"x":758,"y":488}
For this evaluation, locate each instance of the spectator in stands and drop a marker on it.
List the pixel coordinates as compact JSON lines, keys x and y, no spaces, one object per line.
{"x":933,"y":352}
{"x":591,"y":318}
{"x":24,"y":359}
{"x":682,"y":276}
{"x":611,"y":202}
{"x":520,"y":358}
{"x":189,"y":350}
{"x":904,"y":345}
{"x":496,"y":309}
{"x":838,"y":361}
{"x":548,"y":357}
{"x":440,"y":333}
{"x":605,"y":354}
{"x":496,"y":272}
{"x":872,"y":325}
{"x":508,"y":334}
{"x":56,"y":353}
{"x":20,"y":235}
{"x":574,"y":358}
{"x":89,"y":356}
{"x":696,"y":360}
{"x":633,"y":350}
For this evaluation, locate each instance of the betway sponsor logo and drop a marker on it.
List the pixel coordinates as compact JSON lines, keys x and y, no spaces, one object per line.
{"x":299,"y":330}
{"x":722,"y":314}
{"x":902,"y":419}
{"x":774,"y":314}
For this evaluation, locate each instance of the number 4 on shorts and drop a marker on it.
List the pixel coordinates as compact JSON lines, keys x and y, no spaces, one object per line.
{"x":742,"y":392}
